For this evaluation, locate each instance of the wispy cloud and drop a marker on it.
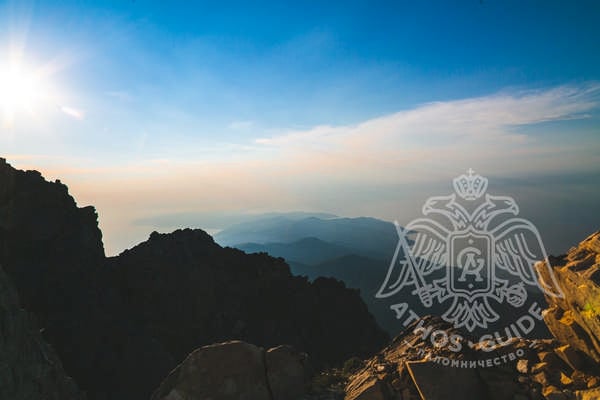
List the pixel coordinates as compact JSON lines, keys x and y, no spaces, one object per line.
{"x":73,"y":112}
{"x":473,"y":118}
{"x":484,"y":130}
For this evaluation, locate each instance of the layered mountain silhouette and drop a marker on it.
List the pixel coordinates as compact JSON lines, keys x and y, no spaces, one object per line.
{"x":120,"y":324}
{"x":365,"y":236}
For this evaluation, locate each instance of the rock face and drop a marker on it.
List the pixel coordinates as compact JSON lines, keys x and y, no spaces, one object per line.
{"x":575,"y":319}
{"x":119,"y":325}
{"x":237,"y":370}
{"x":29,"y":368}
{"x":52,"y":250}
{"x":411,"y":368}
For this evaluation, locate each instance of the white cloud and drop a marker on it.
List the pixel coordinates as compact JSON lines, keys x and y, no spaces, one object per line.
{"x":473,"y":118}
{"x":484,"y":131}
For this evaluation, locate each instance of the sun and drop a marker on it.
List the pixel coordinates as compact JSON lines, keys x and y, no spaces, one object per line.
{"x":22,"y":91}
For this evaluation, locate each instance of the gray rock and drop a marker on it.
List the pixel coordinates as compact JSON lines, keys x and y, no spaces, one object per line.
{"x":237,"y":370}
{"x":287,"y":372}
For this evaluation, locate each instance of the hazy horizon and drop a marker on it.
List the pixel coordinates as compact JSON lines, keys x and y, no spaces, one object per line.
{"x":166,"y":116}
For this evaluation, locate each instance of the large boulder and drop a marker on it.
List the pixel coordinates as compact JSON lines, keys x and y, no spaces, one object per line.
{"x":225,"y":371}
{"x":575,"y":318}
{"x":287,"y":372}
{"x":237,"y":370}
{"x":29,"y":367}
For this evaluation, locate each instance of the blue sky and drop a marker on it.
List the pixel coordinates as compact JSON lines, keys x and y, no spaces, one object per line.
{"x":158,"y":108}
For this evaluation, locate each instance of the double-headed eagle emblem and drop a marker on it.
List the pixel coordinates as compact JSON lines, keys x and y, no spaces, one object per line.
{"x":470,"y":249}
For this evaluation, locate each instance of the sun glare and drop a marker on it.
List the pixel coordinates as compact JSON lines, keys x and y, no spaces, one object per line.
{"x":22,"y":90}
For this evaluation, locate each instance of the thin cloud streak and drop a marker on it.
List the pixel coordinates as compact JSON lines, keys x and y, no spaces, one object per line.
{"x":73,"y":112}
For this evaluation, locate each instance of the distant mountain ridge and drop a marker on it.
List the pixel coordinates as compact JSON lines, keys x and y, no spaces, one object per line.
{"x":365,"y":236}
{"x":309,"y":250}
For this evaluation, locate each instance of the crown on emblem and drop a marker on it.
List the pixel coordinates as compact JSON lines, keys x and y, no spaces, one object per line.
{"x":470,"y":187}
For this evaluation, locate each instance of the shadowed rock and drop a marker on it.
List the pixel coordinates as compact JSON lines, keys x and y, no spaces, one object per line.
{"x":29,"y":367}
{"x":237,"y":370}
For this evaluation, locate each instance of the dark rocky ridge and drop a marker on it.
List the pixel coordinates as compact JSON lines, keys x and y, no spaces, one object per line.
{"x":121,"y":324}
{"x":184,"y":279}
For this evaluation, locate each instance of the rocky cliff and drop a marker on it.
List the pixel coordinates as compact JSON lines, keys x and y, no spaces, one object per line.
{"x":52,"y":250}
{"x":120,"y":325}
{"x":575,"y":318}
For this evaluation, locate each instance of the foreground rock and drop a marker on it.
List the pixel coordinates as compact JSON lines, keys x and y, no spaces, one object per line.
{"x":237,"y":370}
{"x":411,"y":368}
{"x":119,"y":325}
{"x":575,"y":319}
{"x":29,"y":367}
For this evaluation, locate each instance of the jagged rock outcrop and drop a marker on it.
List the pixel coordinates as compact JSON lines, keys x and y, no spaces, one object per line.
{"x":413,"y":368}
{"x":575,"y":318}
{"x":120,"y":325}
{"x":29,"y":367}
{"x":53,"y":252}
{"x":237,"y":370}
